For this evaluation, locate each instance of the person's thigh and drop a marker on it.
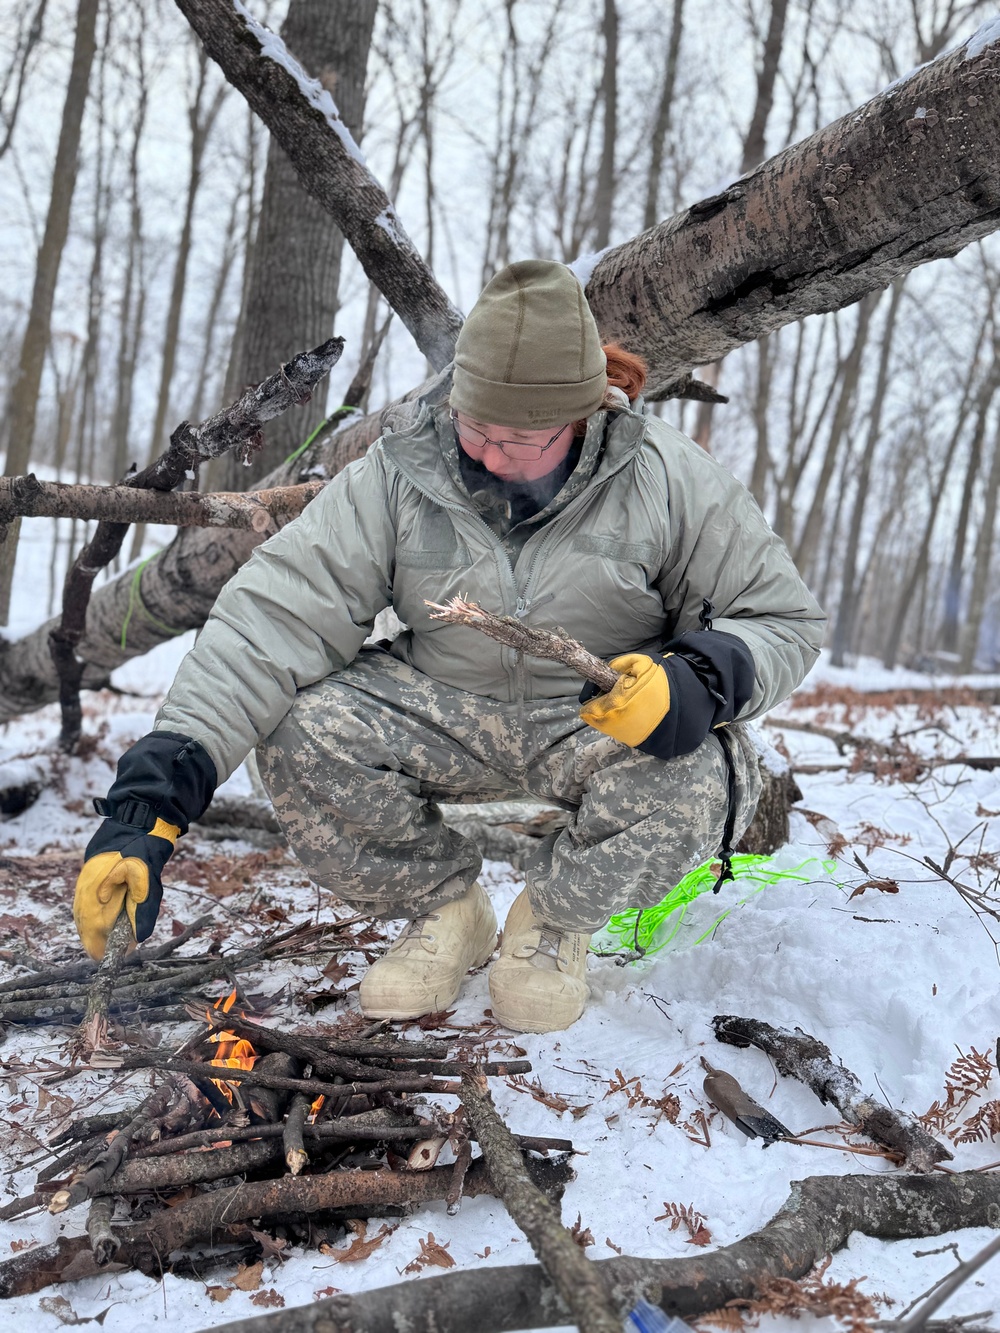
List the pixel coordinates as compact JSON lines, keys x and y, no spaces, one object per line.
{"x":354,"y":771}
{"x":641,"y":824}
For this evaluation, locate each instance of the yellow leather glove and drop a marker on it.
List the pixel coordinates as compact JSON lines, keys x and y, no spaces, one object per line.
{"x":636,"y":704}
{"x":128,"y":877}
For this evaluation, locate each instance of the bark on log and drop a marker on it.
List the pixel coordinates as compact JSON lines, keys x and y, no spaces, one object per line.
{"x":831,"y":218}
{"x":838,"y":215}
{"x":817,"y":1219}
{"x":797,"y":1055}
{"x":259,"y":511}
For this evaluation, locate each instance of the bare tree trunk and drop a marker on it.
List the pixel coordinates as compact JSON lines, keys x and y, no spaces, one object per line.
{"x":294,"y":271}
{"x":983,"y":562}
{"x":29,"y":35}
{"x":328,"y":164}
{"x":766,"y":353}
{"x":808,"y":543}
{"x":23,"y":404}
{"x":850,"y":591}
{"x":753,"y":153}
{"x":604,"y":201}
{"x":953,"y":584}
{"x":130,"y":332}
{"x":661,"y":126}
{"x":918,"y":572}
{"x":200,"y":120}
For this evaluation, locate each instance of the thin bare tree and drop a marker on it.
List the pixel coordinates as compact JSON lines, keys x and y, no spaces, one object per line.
{"x":22,"y":407}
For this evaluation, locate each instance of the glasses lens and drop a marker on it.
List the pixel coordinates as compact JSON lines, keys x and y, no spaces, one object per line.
{"x":475,"y":439}
{"x":526,"y":453}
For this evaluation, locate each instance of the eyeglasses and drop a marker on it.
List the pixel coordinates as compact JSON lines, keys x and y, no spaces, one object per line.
{"x":475,"y":439}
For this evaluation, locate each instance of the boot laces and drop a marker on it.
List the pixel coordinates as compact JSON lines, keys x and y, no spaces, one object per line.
{"x":416,"y":932}
{"x":547,"y":950}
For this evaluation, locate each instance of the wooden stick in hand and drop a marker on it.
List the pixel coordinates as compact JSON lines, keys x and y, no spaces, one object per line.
{"x":553,"y":644}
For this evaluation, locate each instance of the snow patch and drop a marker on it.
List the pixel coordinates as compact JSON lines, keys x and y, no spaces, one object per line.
{"x":389,"y":223}
{"x":583,"y":265}
{"x":273,"y":48}
{"x":984,"y":36}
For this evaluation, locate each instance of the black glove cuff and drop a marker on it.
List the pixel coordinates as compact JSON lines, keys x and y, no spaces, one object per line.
{"x":723,"y":664}
{"x":163,"y":776}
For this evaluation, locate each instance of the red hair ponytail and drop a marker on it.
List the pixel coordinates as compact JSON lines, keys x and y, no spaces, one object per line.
{"x":626,"y":371}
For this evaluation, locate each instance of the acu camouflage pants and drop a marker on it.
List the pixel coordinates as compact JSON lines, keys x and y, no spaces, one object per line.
{"x":356,"y":767}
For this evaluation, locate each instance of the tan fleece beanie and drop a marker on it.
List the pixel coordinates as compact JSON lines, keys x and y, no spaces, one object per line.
{"x":529,"y":355}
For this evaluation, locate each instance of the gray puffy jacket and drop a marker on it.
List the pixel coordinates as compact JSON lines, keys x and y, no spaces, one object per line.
{"x":623,"y":564}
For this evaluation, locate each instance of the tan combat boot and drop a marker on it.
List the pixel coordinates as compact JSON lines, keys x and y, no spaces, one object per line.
{"x":537,"y":984}
{"x":423,"y":970}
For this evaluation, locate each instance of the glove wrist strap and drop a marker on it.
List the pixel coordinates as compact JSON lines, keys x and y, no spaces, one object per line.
{"x":137,"y":814}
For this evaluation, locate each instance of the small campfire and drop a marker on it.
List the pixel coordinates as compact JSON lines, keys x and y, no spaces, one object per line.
{"x":299,"y":1134}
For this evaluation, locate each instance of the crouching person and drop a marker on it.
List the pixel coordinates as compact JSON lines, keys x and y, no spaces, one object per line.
{"x":541,"y":490}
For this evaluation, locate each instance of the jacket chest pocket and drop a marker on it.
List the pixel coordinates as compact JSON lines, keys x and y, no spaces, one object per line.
{"x":605,"y":595}
{"x":433,"y":563}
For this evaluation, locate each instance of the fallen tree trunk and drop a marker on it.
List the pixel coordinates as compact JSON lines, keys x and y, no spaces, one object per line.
{"x":817,"y":1219}
{"x":840,"y":214}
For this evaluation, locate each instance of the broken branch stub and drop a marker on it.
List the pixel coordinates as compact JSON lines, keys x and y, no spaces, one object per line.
{"x":235,"y":426}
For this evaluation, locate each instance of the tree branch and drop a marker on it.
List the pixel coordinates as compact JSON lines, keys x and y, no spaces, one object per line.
{"x":257,"y":511}
{"x":304,"y":120}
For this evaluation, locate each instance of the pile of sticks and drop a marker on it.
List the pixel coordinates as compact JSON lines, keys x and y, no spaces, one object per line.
{"x":319,"y":1130}
{"x":152,"y":982}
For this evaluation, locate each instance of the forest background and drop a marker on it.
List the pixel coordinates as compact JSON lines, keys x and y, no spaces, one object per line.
{"x":501,"y":131}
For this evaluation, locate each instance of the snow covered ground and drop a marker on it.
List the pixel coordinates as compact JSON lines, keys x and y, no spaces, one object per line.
{"x":898,"y":984}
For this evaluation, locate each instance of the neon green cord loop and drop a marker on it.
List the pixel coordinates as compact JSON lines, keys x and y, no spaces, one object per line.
{"x":297,"y":453}
{"x":643,"y":931}
{"x":135,"y":603}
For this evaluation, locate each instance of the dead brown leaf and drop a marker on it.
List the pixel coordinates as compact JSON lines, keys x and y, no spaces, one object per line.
{"x":883,"y":885}
{"x":324,"y":1292}
{"x":361,"y":1247}
{"x":612,"y":1246}
{"x":219,"y":1294}
{"x":270,"y":1248}
{"x":248,"y":1276}
{"x":432,"y":1253}
{"x":270,"y":1299}
{"x":581,"y":1234}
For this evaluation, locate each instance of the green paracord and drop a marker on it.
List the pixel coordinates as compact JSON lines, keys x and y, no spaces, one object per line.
{"x":636,"y":930}
{"x":297,"y":453}
{"x":135,"y":603}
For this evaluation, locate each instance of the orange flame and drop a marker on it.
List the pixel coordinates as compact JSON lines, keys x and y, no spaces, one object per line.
{"x":315,"y":1109}
{"x":234,"y":1052}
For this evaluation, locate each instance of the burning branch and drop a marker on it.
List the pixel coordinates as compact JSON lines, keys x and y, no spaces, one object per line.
{"x":553,"y":644}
